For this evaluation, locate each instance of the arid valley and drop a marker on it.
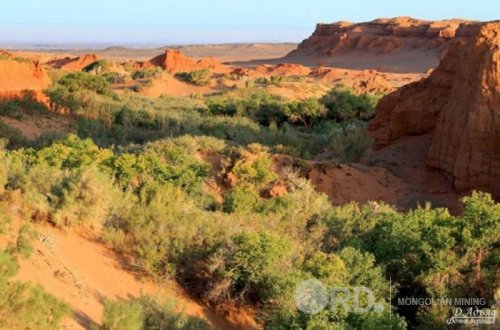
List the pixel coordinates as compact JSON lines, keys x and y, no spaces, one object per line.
{"x":233,"y":185}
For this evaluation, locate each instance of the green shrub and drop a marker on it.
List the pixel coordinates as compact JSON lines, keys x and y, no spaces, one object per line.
{"x":254,"y":174}
{"x":78,"y":81}
{"x":115,"y":77}
{"x":83,"y":198}
{"x":350,"y":143}
{"x":24,"y":245}
{"x":258,"y":265}
{"x":306,"y":112}
{"x":23,"y":306}
{"x":12,"y":136}
{"x":73,"y":153}
{"x":160,"y":228}
{"x":197,"y":77}
{"x":146,"y":313}
{"x":329,"y":268}
{"x":26,"y":104}
{"x":123,"y":315}
{"x":222,"y":106}
{"x":82,"y":94}
{"x":342,"y":104}
{"x":98,"y":67}
{"x":240,"y":200}
{"x":147,"y":73}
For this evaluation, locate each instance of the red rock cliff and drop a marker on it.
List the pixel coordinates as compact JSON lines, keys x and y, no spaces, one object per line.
{"x":175,"y":61}
{"x":18,"y":74}
{"x":78,"y":63}
{"x":460,"y":103}
{"x":400,"y":44}
{"x":383,"y":36}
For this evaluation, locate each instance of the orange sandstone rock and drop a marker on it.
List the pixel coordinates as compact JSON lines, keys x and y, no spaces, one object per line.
{"x":175,"y":61}
{"x":460,"y":103}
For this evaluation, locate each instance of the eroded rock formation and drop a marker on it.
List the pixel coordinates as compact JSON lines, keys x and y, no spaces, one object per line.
{"x":460,"y":103}
{"x":383,"y":36}
{"x":76,"y":63}
{"x":283,"y":69}
{"x":400,"y":44}
{"x":19,"y":74}
{"x":175,"y":61}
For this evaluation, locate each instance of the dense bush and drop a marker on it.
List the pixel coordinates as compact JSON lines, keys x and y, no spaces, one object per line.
{"x":350,"y":143}
{"x":254,"y":173}
{"x":115,"y":77}
{"x":12,"y":137}
{"x":26,"y":104}
{"x":78,"y":81}
{"x":306,"y":112}
{"x":343,"y":104}
{"x":197,"y":77}
{"x":98,"y":67}
{"x":299,"y":127}
{"x":82,"y":198}
{"x":251,"y":266}
{"x":80,"y":93}
{"x":147,"y":73}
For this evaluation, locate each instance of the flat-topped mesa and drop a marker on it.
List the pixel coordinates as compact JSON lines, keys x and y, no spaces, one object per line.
{"x":175,"y":61}
{"x":459,"y":103}
{"x":384,"y":36}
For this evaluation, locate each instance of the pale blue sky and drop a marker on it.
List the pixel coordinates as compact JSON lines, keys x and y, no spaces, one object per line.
{"x":207,"y":21}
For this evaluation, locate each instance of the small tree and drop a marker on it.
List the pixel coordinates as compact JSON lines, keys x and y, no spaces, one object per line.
{"x":306,"y":112}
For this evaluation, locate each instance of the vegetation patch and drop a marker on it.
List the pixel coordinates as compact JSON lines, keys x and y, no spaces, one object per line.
{"x":197,"y":77}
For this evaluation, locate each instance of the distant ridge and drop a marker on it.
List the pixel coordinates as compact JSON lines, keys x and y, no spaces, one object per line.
{"x":405,"y":43}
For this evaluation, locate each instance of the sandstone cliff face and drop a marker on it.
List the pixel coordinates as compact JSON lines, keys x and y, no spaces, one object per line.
{"x":460,"y":103}
{"x":413,"y":109}
{"x":77,"y":63}
{"x":175,"y":61}
{"x":466,"y":142}
{"x":400,"y":44}
{"x":382,"y":36}
{"x":18,"y":74}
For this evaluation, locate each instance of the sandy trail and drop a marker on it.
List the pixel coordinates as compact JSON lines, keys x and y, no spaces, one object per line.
{"x":83,"y":272}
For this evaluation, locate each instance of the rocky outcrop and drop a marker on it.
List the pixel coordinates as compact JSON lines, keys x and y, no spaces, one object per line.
{"x":19,"y":74}
{"x":77,"y":63}
{"x":382,"y":36}
{"x":175,"y":61}
{"x":466,"y":142}
{"x":400,"y":44}
{"x":283,"y":69}
{"x":413,"y":109}
{"x":372,"y":84}
{"x":460,"y":103}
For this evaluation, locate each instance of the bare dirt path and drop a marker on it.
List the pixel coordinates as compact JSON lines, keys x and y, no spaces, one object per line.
{"x":84,"y":272}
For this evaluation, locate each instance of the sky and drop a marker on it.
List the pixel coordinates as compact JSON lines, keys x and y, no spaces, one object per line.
{"x":170,"y":22}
